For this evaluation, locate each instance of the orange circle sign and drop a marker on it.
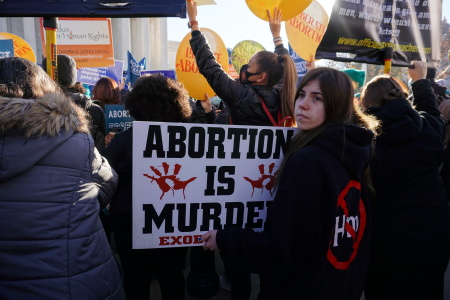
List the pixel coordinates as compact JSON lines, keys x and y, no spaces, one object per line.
{"x":186,"y":68}
{"x":305,"y":31}
{"x":289,"y":8}
{"x":21,"y":47}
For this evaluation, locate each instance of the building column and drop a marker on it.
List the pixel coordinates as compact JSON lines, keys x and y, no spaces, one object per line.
{"x":121,"y":30}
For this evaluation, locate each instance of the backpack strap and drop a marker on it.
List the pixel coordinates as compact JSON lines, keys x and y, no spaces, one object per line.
{"x":269,"y":115}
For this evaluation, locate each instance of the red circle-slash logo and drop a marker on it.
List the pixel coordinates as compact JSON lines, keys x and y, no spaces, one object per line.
{"x":349,"y":228}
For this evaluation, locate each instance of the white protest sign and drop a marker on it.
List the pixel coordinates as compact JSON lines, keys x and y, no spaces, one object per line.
{"x":191,"y":178}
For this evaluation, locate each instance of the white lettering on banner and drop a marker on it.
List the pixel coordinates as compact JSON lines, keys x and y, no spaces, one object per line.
{"x":124,"y":125}
{"x":339,"y":229}
{"x":5,"y":54}
{"x":119,"y":114}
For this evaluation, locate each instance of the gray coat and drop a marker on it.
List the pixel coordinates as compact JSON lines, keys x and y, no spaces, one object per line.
{"x":52,"y":178}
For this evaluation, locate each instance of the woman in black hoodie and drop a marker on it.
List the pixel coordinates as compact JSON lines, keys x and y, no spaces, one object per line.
{"x":316,"y":243}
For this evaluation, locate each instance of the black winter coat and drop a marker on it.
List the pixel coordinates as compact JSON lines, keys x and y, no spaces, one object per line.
{"x":411,"y":212}
{"x":243,"y":101}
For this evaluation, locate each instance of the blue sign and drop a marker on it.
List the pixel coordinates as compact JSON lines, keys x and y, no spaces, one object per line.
{"x":6,"y":48}
{"x":300,"y":63}
{"x":134,"y":68}
{"x":117,"y":118}
{"x":167,"y":73}
{"x":92,"y":75}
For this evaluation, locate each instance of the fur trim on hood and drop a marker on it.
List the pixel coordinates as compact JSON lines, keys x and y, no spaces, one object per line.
{"x":45,"y":116}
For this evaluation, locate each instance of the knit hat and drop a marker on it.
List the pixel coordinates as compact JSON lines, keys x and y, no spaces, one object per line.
{"x":358,"y":76}
{"x":67,"y":70}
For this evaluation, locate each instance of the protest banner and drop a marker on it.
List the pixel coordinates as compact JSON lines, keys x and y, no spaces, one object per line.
{"x":134,"y":68}
{"x":93,"y":8}
{"x":117,"y":118}
{"x":306,"y":30}
{"x":367,"y":30}
{"x":191,"y":178}
{"x":87,"y":40}
{"x":6,"y":48}
{"x":21,"y":47}
{"x":166,"y":73}
{"x":92,"y":75}
{"x":243,"y":51}
{"x":186,"y":66}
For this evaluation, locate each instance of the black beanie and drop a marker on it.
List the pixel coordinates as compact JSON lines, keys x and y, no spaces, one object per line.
{"x":67,"y":70}
{"x":431,"y":73}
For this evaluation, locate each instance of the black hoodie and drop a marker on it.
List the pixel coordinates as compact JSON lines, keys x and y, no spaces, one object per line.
{"x":316,"y":242}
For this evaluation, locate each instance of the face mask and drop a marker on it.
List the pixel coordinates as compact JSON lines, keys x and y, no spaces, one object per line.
{"x":244,"y":75}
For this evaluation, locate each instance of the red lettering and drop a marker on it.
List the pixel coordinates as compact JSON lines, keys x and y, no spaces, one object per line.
{"x":176,"y":240}
{"x":163,"y":240}
{"x":180,"y":240}
{"x":189,"y":53}
{"x":187,"y":239}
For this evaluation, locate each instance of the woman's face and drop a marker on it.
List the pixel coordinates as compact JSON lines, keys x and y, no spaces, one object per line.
{"x":309,"y":106}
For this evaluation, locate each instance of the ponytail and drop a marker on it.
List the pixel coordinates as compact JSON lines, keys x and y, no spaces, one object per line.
{"x":288,"y":88}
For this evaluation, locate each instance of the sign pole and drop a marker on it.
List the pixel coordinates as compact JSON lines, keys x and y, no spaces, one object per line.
{"x":50,"y":25}
{"x":388,"y":55}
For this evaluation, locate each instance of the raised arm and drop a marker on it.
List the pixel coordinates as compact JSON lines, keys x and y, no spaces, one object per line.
{"x":275,"y":30}
{"x":424,"y":98}
{"x":223,"y":85}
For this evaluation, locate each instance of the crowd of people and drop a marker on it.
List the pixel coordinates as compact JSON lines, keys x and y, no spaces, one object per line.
{"x":362,"y":194}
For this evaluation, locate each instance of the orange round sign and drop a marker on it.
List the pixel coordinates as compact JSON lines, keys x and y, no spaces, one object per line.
{"x":305,"y":31}
{"x":21,"y":47}
{"x":186,"y":67}
{"x":289,"y":8}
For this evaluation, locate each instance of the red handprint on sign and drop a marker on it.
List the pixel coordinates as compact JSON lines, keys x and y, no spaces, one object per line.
{"x":259,"y":183}
{"x":161,"y":179}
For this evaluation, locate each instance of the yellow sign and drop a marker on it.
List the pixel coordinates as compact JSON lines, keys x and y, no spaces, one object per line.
{"x":242,"y":53}
{"x":186,"y":67}
{"x":289,"y":8}
{"x":305,"y":31}
{"x":21,"y":47}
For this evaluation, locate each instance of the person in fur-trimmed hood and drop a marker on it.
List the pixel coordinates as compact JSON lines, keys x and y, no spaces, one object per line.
{"x":53,"y":183}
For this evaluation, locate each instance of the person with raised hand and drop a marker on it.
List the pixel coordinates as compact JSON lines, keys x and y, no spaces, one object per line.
{"x":255,"y":99}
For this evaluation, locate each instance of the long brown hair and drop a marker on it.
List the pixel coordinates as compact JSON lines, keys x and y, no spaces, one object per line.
{"x":382,"y":89}
{"x":280,"y":67}
{"x":340,"y":108}
{"x":106,"y":91}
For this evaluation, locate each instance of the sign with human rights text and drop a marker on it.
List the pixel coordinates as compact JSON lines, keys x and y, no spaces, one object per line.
{"x":192,"y":178}
{"x":88,"y":40}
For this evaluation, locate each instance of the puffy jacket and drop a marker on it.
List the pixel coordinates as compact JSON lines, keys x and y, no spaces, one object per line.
{"x":244,"y":101}
{"x":52,"y":244}
{"x":411,"y":212}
